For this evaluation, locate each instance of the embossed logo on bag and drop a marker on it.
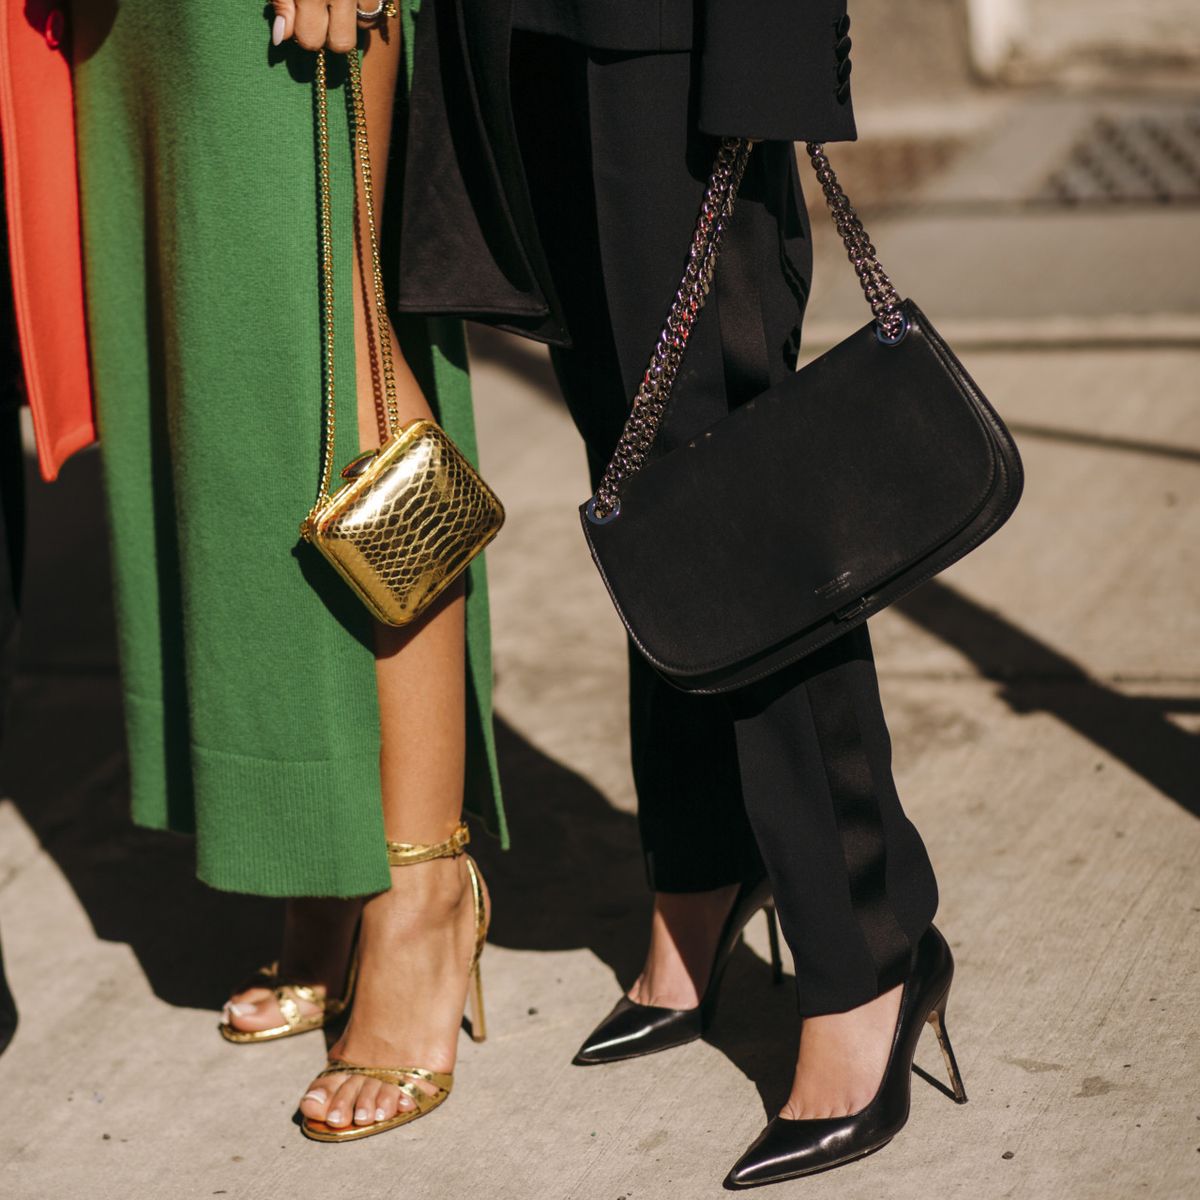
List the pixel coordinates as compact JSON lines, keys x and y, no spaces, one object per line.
{"x":837,"y":585}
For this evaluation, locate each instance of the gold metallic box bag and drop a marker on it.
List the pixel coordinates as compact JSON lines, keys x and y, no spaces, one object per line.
{"x":414,"y":513}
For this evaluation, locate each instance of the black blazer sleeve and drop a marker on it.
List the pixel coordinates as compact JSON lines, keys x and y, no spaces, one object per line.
{"x":776,"y":69}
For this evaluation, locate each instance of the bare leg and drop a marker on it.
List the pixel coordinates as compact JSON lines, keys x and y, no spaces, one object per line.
{"x":684,"y":931}
{"x":417,"y":938}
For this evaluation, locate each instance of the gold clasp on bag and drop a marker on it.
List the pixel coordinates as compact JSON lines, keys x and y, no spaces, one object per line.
{"x":413,"y":514}
{"x":356,"y":466}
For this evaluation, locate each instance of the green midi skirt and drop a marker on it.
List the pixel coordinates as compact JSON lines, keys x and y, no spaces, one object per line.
{"x":248,"y":667}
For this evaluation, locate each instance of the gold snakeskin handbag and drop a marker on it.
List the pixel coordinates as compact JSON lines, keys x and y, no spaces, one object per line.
{"x":414,"y":513}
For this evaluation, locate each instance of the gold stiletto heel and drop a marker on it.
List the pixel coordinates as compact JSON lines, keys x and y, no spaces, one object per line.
{"x":476,"y":1018}
{"x":289,"y":996}
{"x":403,"y":854}
{"x":937,"y":1019}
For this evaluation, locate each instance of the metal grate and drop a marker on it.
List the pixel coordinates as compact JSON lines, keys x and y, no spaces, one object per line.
{"x":1144,"y":159}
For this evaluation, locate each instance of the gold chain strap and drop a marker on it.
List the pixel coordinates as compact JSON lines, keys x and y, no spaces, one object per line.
{"x":381,"y":329}
{"x":326,"y":275}
{"x":650,"y":403}
{"x":378,"y":329}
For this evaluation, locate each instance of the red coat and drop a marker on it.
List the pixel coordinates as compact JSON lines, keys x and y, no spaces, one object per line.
{"x":42,"y":196}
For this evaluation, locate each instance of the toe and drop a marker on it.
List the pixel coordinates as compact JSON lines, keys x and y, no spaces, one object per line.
{"x":392,"y":1100}
{"x":341,"y":1105}
{"x":253,"y":1010}
{"x":251,"y":1018}
{"x":259,"y":1009}
{"x":365,"y":1102}
{"x":315,"y":1102}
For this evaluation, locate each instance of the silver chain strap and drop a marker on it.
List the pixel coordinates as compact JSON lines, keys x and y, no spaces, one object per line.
{"x":654,"y":393}
{"x":650,"y":403}
{"x":876,"y":285}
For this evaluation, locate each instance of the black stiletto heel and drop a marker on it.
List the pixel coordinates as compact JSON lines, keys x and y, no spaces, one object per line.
{"x":632,"y":1030}
{"x":773,"y":938}
{"x":788,"y":1149}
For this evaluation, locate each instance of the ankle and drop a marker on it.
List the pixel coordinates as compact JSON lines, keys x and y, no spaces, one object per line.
{"x":684,"y":933}
{"x":691,"y":923}
{"x":433,"y":892}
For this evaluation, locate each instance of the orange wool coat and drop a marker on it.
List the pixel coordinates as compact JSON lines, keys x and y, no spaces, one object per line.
{"x":42,"y":197}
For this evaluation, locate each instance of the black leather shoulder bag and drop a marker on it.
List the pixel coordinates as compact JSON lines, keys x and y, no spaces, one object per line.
{"x":809,"y":508}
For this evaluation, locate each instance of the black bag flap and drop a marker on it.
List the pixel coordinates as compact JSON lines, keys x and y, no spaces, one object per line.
{"x":807,"y":498}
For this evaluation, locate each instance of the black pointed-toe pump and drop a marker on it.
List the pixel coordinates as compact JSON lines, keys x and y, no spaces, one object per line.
{"x":633,"y":1029}
{"x":787,"y":1149}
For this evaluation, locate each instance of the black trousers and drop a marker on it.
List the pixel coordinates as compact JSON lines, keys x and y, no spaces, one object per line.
{"x":793,"y":775}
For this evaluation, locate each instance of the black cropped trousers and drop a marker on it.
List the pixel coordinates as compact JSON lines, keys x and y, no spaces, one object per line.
{"x":792,"y":775}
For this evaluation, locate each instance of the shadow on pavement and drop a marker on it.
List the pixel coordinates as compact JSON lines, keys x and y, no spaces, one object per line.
{"x":1134,"y":729}
{"x":1037,"y":678}
{"x":1100,"y":441}
{"x":573,"y":879}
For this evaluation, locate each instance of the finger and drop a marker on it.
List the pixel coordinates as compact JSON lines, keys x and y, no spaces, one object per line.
{"x":343,"y":26}
{"x":284,"y":24}
{"x":312,"y":23}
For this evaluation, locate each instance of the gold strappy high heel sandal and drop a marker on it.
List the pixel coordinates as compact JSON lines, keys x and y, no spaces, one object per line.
{"x":289,"y":996}
{"x":407,"y":1079}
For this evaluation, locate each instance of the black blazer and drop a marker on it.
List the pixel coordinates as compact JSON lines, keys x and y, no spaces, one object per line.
{"x":770,"y":69}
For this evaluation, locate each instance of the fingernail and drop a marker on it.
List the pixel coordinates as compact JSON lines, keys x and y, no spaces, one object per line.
{"x":277,"y":31}
{"x":380,"y":1115}
{"x":318,"y":1097}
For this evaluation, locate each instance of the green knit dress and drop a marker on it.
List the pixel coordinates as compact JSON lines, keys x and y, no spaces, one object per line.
{"x":249,"y":677}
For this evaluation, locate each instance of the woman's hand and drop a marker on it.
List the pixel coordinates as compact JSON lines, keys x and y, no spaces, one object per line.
{"x":317,"y":24}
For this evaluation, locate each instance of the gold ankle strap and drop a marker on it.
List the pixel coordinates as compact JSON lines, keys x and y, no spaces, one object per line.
{"x":407,"y":854}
